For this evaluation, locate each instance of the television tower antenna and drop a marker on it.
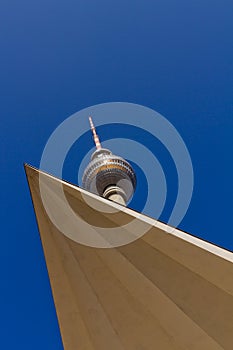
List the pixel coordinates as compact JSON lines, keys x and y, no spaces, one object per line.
{"x":95,"y":136}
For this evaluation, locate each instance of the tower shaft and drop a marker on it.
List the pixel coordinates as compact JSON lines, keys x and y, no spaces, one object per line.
{"x":115,"y":194}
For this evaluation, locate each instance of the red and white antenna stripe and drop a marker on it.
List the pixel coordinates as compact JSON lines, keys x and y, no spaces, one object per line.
{"x":95,"y":136}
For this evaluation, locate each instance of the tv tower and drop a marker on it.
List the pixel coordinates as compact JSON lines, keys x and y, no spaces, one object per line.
{"x":108,"y":175}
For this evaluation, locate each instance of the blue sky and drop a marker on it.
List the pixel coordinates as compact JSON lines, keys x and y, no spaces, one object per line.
{"x":58,"y":57}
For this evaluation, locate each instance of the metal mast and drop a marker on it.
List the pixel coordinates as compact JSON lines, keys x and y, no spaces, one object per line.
{"x":95,"y":136}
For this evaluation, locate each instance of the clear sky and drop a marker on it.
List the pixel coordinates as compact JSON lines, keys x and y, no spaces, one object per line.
{"x":58,"y":57}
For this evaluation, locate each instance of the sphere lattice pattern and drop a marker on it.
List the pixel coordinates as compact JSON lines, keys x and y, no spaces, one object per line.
{"x":105,"y":170}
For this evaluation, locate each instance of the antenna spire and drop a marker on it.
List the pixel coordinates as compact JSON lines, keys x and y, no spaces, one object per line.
{"x":95,"y":136}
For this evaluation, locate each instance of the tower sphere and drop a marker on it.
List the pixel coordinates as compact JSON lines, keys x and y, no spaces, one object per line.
{"x":109,"y":175}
